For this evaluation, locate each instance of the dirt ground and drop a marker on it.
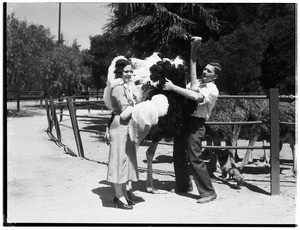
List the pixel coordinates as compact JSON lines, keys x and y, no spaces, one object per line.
{"x":47,"y":185}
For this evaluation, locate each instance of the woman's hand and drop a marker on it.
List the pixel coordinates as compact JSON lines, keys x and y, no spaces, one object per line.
{"x":126,"y":112}
{"x":168,"y":85}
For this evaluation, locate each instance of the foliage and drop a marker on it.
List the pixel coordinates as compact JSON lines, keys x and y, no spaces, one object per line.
{"x":101,"y":53}
{"x":26,"y":48}
{"x":36,"y":62}
{"x":240,"y":55}
{"x":86,"y":80}
{"x":254,"y":42}
{"x":163,"y":27}
{"x":66,"y":71}
{"x":278,"y":67}
{"x":262,"y":39}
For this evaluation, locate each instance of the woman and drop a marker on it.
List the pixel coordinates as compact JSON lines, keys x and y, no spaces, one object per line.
{"x":122,"y":162}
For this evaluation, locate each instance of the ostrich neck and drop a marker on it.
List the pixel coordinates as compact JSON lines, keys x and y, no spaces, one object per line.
{"x":193,"y":58}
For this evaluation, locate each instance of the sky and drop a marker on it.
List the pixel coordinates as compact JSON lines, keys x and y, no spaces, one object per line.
{"x":78,"y":20}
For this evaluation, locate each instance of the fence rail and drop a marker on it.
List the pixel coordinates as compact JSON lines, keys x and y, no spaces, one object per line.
{"x":234,"y":122}
{"x":236,"y":147}
{"x":281,"y":97}
{"x":273,"y":98}
{"x":24,"y":95}
{"x":16,"y":95}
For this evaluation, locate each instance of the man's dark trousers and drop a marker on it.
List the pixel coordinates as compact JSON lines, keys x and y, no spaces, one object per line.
{"x":187,"y":148}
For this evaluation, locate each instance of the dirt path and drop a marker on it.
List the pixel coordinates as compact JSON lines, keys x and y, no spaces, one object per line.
{"x":46,"y":185}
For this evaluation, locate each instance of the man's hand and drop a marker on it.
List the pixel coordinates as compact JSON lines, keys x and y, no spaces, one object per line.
{"x":168,"y":85}
{"x":196,"y":96}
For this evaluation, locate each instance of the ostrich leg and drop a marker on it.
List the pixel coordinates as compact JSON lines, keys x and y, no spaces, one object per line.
{"x":150,"y":154}
{"x":289,"y":138}
{"x":294,"y":158}
{"x":266,"y":158}
{"x":235,"y":136}
{"x":142,"y":134}
{"x":226,"y":166}
{"x":248,"y":158}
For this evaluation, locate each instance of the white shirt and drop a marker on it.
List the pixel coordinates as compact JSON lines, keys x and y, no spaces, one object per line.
{"x":210,"y":93}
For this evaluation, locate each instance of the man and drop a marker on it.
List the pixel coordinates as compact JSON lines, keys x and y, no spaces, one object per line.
{"x":205,"y":94}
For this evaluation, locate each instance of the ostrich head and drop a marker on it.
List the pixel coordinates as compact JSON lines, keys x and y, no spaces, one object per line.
{"x":141,"y":68}
{"x":175,"y":70}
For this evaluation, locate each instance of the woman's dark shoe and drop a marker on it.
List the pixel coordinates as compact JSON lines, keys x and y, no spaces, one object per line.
{"x":130,"y":202}
{"x":121,"y":205}
{"x":134,"y":198}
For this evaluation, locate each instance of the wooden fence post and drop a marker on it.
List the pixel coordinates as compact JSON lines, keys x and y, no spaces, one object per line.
{"x":61,"y":107}
{"x":41,"y":99}
{"x":274,"y":144}
{"x":75,"y":126}
{"x":49,"y":129}
{"x":53,"y":110}
{"x":18,"y":101}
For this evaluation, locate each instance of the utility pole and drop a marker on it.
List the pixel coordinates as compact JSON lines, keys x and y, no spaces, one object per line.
{"x":59,"y":22}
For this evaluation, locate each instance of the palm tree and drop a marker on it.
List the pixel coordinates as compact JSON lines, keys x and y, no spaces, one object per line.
{"x":165,"y":27}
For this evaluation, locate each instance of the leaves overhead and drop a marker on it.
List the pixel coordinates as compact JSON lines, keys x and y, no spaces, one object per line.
{"x":150,"y":27}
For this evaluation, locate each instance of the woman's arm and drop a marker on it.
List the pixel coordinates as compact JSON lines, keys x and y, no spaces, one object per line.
{"x":126,"y":112}
{"x":120,"y":96}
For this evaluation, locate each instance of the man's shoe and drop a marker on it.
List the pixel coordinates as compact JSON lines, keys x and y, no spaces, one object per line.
{"x":207,"y":199}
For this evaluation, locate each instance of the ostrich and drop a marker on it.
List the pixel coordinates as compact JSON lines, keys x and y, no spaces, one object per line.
{"x":251,"y":110}
{"x":286,"y":132}
{"x":230,"y":110}
{"x":168,"y":124}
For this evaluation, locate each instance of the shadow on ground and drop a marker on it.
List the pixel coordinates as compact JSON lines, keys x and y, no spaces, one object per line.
{"x":233,"y":185}
{"x":161,"y":159}
{"x":106,"y":193}
{"x":98,"y":124}
{"x":23,"y":113}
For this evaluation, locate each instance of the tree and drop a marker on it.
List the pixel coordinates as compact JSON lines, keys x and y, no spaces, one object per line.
{"x":86,"y":79}
{"x":163,"y":27}
{"x":257,"y":50}
{"x":278,"y":67}
{"x":102,"y":51}
{"x":275,"y":24}
{"x":26,"y":46}
{"x":240,"y":55}
{"x":254,"y":42}
{"x":36,"y":62}
{"x":65,"y":70}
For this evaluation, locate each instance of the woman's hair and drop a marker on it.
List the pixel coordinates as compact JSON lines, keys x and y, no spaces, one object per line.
{"x":217,"y":67}
{"x":119,"y":67}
